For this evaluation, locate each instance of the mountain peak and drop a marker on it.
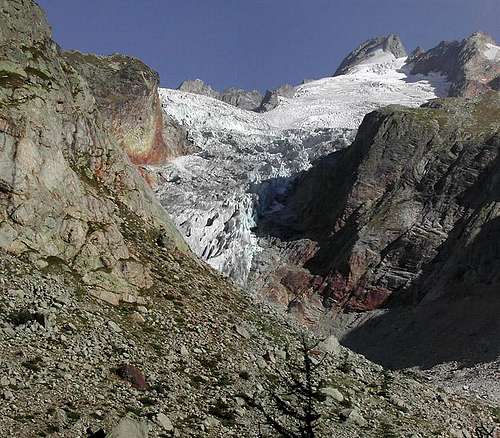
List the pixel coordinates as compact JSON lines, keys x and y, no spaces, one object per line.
{"x":470,"y":65}
{"x":390,"y":44}
{"x":197,"y":86}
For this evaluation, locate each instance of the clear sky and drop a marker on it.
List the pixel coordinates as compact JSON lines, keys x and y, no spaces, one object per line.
{"x":257,"y":44}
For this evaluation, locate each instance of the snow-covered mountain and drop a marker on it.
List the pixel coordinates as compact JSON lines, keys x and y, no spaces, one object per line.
{"x":247,"y":159}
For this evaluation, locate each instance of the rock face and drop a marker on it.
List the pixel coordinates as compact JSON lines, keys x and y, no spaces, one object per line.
{"x":66,"y":187}
{"x":369,"y":220}
{"x":243,"y":99}
{"x":471,"y":65}
{"x":390,"y":44}
{"x":126,"y":93}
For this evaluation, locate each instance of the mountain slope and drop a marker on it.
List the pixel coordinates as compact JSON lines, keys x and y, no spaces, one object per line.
{"x":178,"y":359}
{"x":472,"y":65}
{"x":382,"y":240}
{"x":383,"y":207}
{"x":388,"y":45}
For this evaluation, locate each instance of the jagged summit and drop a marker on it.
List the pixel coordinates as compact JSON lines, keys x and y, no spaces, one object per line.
{"x":472,"y":65}
{"x":390,"y":44}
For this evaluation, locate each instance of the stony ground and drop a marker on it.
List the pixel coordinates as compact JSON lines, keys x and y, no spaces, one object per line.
{"x":182,"y":360}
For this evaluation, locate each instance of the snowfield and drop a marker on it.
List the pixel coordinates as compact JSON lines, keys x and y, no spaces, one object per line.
{"x":247,"y":159}
{"x":343,"y":101}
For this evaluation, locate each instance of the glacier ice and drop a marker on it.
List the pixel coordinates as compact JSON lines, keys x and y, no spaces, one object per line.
{"x":246,"y":160}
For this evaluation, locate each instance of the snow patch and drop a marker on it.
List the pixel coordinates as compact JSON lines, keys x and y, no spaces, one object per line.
{"x":492,"y":52}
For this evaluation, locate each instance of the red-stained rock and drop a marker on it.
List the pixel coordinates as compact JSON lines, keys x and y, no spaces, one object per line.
{"x":126,"y":93}
{"x":133,"y":375}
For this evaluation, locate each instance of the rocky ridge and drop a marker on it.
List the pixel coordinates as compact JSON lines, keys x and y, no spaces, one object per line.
{"x":243,"y":99}
{"x":246,"y":100}
{"x":392,"y":198}
{"x":471,"y":65}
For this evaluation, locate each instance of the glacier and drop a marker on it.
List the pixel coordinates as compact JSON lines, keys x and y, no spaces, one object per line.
{"x":247,"y":160}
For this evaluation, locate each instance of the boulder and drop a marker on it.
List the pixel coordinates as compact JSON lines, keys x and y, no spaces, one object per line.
{"x":130,"y":427}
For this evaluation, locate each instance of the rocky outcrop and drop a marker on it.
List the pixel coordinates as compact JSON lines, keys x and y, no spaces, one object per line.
{"x":390,"y":44}
{"x":126,"y":93}
{"x":377,"y":214}
{"x":471,"y":65}
{"x":247,"y":100}
{"x":67,"y":190}
{"x":243,"y":99}
{"x":271,"y":98}
{"x":197,"y":86}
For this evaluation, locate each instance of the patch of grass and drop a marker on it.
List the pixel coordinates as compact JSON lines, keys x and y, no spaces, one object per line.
{"x":52,"y":428}
{"x":210,"y":363}
{"x":36,"y":51}
{"x":73,"y":415}
{"x":148,"y":401}
{"x":33,"y":364}
{"x":32,"y":71}
{"x":25,"y":418}
{"x":196,"y":381}
{"x":224,"y":380}
{"x":386,"y":430}
{"x":245,"y":375}
{"x":9,"y":79}
{"x":495,"y":411}
{"x":223,"y":413}
{"x":134,"y":410}
{"x":387,"y":382}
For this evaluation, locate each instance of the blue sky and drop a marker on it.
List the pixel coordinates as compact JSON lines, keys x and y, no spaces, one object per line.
{"x":257,"y":44}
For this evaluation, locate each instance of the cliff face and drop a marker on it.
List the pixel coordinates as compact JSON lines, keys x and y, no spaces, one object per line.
{"x":66,"y":187}
{"x":365,"y":222}
{"x":126,"y":93}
